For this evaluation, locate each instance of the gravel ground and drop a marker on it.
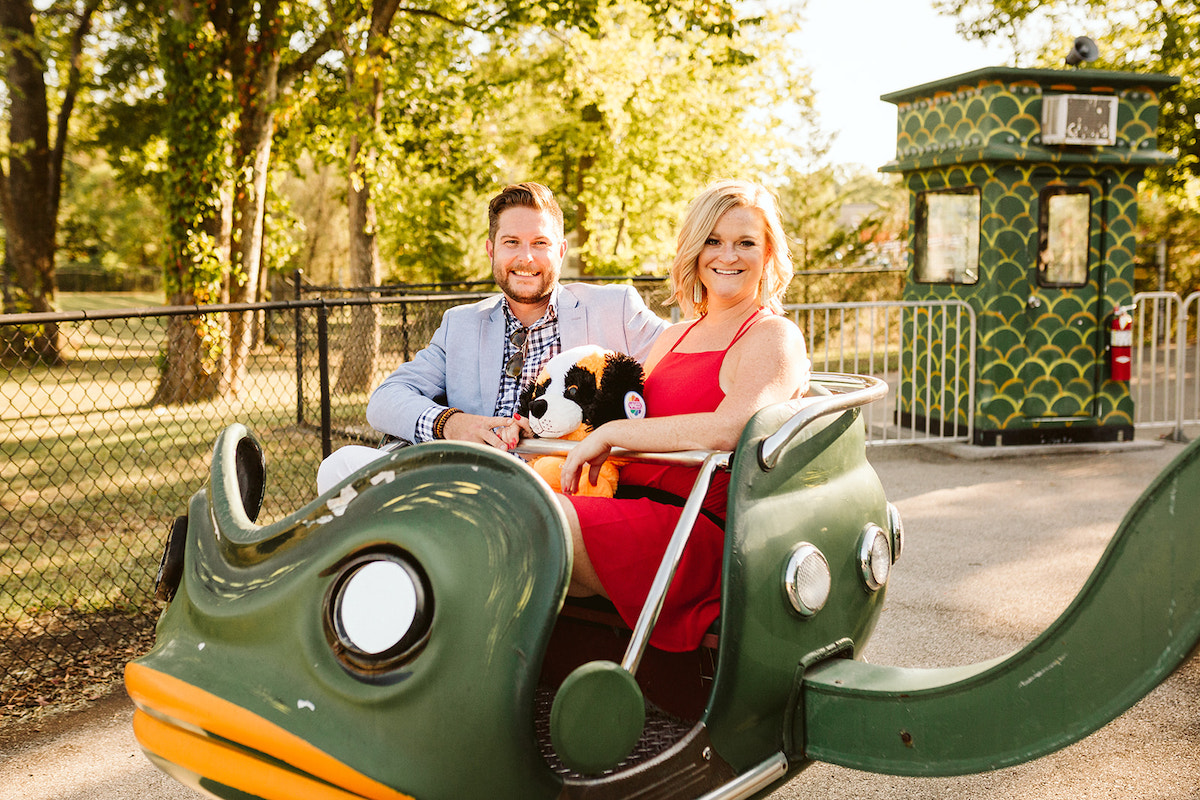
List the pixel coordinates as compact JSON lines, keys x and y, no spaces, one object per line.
{"x":995,"y":550}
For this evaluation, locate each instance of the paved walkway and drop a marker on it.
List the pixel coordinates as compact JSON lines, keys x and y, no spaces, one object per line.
{"x":995,"y":550}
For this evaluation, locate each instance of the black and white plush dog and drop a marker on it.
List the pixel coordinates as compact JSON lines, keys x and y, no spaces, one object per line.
{"x":577,"y":391}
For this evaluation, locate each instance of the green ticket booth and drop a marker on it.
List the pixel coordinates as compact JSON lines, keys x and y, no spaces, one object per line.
{"x":1023,"y":205}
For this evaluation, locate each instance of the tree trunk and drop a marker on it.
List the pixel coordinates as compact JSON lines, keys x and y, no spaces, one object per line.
{"x":28,"y":190}
{"x":197,"y":254}
{"x":253,"y":143}
{"x":216,"y":185}
{"x":191,"y":373}
{"x":360,"y":351}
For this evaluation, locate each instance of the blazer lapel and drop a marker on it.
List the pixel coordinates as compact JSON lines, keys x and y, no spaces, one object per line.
{"x":491,"y":352}
{"x":572,"y":320}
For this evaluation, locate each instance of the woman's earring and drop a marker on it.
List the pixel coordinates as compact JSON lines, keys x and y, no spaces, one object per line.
{"x":697,"y":293}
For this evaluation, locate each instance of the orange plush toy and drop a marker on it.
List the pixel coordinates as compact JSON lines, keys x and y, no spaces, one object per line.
{"x":577,"y":391}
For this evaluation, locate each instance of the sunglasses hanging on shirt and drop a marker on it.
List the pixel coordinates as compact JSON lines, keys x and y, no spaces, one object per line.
{"x":518,"y":339}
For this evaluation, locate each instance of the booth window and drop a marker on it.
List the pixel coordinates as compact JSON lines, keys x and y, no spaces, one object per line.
{"x":1064,"y":229}
{"x":947,"y":237}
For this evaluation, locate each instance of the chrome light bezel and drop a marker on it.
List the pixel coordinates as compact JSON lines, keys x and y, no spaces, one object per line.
{"x":798,"y":579}
{"x":896,"y":527}
{"x":400,"y":586}
{"x":875,"y":556}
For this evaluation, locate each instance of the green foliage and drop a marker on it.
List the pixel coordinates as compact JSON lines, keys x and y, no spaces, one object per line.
{"x":628,"y":125}
{"x":626,"y":117}
{"x":1172,"y":219}
{"x":625,"y":109}
{"x":843,"y":225}
{"x":104,"y":222}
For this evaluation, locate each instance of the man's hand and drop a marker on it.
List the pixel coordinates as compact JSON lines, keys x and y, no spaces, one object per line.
{"x":502,"y":433}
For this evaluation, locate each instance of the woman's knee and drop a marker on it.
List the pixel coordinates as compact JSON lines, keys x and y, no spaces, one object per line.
{"x":584,"y":580}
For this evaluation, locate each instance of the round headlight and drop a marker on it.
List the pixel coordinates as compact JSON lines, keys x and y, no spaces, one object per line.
{"x":897,"y":528}
{"x":379,"y":611}
{"x":806,"y":579}
{"x":875,"y":556}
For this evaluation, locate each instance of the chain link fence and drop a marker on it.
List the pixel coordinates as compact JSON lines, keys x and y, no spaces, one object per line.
{"x":94,"y":470}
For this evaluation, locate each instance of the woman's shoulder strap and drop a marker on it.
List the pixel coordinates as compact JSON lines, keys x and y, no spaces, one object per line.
{"x":761,"y":313}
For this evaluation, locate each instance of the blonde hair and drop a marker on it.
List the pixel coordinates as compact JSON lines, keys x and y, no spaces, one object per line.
{"x":698,"y":224}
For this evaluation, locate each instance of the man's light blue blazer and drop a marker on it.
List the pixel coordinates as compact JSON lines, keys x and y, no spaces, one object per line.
{"x":461,"y":365}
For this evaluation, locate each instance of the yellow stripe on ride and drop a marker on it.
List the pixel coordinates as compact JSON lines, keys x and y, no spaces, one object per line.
{"x":158,"y":695}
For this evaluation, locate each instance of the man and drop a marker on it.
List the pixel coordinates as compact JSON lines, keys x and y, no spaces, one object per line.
{"x":465,"y":384}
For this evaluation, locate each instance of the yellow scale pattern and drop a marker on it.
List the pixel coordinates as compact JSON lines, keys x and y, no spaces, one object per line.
{"x":1048,"y":364}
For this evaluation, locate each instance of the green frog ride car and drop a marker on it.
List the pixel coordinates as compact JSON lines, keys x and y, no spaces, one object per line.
{"x":408,"y":633}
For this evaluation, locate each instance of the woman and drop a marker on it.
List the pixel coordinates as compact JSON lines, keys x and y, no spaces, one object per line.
{"x":705,"y":378}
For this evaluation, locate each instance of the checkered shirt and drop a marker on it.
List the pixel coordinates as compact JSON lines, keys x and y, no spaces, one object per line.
{"x":543,"y":343}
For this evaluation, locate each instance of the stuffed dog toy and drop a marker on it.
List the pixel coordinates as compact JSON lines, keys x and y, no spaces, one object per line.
{"x":577,"y":391}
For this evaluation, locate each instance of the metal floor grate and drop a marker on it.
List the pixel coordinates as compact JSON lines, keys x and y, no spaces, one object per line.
{"x":662,"y":730}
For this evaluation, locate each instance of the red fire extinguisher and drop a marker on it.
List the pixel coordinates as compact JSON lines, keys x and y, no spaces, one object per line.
{"x":1120,"y":343}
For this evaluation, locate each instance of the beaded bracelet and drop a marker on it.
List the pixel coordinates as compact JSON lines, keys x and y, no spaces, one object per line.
{"x":439,"y":422}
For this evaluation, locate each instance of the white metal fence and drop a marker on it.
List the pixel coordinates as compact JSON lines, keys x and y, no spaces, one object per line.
{"x":877,"y":339}
{"x":894,"y":340}
{"x":1166,"y":361}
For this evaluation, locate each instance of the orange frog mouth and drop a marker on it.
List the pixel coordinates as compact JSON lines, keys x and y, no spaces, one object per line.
{"x":194,"y":735}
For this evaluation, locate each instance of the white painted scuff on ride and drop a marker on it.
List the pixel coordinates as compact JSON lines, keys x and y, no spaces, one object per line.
{"x":386,"y":476}
{"x":1043,"y":671}
{"x":200,"y":646}
{"x":337,"y":505}
{"x":308,"y":704}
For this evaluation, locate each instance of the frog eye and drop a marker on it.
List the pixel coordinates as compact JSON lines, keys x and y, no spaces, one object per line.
{"x":378,"y":612}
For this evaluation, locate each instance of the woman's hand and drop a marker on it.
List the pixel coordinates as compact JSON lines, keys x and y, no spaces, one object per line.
{"x":504,"y":436}
{"x":592,"y":452}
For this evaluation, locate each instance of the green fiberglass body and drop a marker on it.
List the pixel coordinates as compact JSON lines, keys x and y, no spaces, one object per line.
{"x":408,"y":634}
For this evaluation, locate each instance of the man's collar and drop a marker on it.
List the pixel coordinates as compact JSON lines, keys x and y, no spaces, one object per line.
{"x":548,"y":316}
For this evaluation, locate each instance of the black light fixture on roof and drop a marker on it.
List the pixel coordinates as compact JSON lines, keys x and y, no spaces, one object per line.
{"x":1084,"y":49}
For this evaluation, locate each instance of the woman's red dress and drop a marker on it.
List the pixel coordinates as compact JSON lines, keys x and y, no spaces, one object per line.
{"x":626,"y":537}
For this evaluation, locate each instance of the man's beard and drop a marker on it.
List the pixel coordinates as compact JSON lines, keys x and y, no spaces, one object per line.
{"x":532,"y":296}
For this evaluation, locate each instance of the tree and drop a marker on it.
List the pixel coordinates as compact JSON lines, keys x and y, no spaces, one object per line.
{"x":365,"y":77}
{"x":639,"y":121}
{"x":839,"y":220}
{"x":379,"y":142}
{"x":107,"y":224}
{"x":224,"y":66}
{"x":33,"y":44}
{"x":239,"y":58}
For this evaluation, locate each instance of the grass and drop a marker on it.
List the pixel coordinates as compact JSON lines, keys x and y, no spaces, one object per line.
{"x":108,"y":301}
{"x":92,"y":473}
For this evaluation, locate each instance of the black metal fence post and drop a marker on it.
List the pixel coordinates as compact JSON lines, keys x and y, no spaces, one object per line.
{"x":323,"y":370}
{"x":298,"y":276}
{"x":404,"y":330}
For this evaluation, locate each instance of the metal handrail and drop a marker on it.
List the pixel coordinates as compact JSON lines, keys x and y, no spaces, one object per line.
{"x":709,"y":461}
{"x":850,"y":391}
{"x":560,"y":447}
{"x":752,"y":781}
{"x":670,"y":562}
{"x":859,"y":390}
{"x":856,"y":390}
